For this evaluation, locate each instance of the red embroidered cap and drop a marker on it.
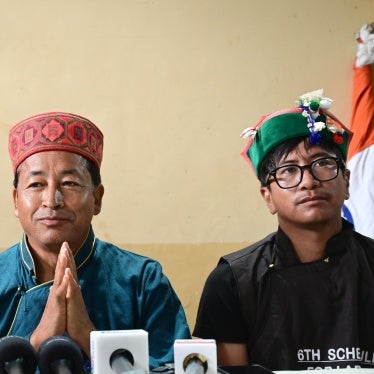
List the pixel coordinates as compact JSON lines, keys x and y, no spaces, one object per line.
{"x":55,"y":131}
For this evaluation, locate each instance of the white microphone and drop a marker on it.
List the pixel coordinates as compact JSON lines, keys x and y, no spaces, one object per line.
{"x":17,"y":356}
{"x":195,"y":356}
{"x":119,"y":352}
{"x":60,"y":355}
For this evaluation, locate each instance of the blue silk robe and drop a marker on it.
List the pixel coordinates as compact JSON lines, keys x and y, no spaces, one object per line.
{"x":121,"y":290}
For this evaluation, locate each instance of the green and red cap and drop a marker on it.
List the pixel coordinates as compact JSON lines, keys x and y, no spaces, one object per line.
{"x":310,"y":119}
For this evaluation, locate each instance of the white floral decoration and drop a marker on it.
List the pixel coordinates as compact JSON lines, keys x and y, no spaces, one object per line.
{"x":319,"y":126}
{"x":333,"y":129}
{"x":310,"y":103}
{"x":249,"y":132}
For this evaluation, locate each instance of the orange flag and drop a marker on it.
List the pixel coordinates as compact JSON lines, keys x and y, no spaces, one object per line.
{"x":359,"y":209}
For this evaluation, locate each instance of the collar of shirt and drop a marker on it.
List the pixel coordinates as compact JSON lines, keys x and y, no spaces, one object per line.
{"x":285,"y":255}
{"x":81,"y":256}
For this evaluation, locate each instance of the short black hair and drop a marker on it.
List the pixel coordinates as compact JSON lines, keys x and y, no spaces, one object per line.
{"x":270,"y":162}
{"x":91,"y":167}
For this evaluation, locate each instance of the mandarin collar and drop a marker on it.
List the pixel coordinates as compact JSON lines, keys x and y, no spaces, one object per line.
{"x":81,"y":256}
{"x":285,"y":254}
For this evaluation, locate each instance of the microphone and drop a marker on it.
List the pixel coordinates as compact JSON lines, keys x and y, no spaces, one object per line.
{"x":17,"y":356}
{"x":60,"y":355}
{"x":119,"y":352}
{"x":195,"y":356}
{"x":195,"y":363}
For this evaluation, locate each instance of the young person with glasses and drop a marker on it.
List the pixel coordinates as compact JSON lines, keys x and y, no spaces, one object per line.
{"x":303,"y":297}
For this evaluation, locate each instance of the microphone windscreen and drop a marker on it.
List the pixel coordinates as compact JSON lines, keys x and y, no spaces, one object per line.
{"x":14,"y":348}
{"x":60,"y":349}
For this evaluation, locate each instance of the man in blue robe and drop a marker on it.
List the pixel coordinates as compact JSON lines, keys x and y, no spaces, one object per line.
{"x":60,"y":279}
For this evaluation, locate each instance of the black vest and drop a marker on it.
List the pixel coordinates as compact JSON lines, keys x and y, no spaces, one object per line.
{"x":308,"y":315}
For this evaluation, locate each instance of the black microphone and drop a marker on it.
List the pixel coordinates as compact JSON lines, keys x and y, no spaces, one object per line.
{"x":122,"y":361}
{"x":17,"y":356}
{"x":195,"y":363}
{"x":60,"y":355}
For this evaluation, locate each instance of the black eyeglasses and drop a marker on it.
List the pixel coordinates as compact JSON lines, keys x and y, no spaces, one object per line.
{"x":289,"y":176}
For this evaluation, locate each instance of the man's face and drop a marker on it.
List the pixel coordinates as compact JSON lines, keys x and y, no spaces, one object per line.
{"x":55,"y":199}
{"x":311,"y":202}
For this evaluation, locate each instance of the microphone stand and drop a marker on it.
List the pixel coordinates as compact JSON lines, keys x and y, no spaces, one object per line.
{"x":14,"y":367}
{"x":195,"y":363}
{"x":17,"y":356}
{"x":122,"y":362}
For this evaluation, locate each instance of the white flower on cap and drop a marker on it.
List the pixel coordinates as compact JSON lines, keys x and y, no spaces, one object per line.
{"x":249,"y":132}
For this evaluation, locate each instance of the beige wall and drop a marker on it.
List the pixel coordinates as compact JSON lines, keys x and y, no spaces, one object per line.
{"x":172,"y":83}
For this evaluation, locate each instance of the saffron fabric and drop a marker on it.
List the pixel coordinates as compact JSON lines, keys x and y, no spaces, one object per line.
{"x":359,"y":209}
{"x":122,"y":290}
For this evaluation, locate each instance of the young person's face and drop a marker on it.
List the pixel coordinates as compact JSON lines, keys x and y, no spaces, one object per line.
{"x":311,"y":202}
{"x":55,"y":199}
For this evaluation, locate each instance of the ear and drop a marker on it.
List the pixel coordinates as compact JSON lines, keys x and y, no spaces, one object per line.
{"x":266,"y":195}
{"x":15,"y":202}
{"x":347,"y":176}
{"x":98,"y":194}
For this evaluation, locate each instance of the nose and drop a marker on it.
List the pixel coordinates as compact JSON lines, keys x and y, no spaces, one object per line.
{"x":52,"y":198}
{"x":308,"y":180}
